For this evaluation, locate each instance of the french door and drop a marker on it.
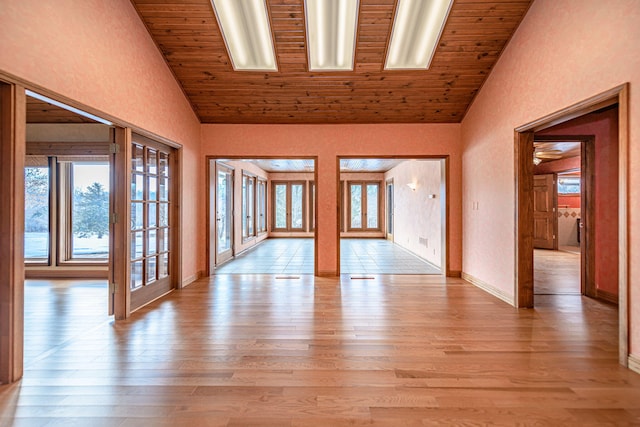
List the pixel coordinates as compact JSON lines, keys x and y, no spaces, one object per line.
{"x":152,"y":196}
{"x":288,"y":206}
{"x":364,"y":206}
{"x":224,"y":213}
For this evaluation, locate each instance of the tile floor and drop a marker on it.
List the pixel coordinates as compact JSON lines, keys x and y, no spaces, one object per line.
{"x":357,"y":256}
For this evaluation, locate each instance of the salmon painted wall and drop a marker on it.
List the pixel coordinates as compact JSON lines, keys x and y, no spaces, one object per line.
{"x":604,"y":126}
{"x":328,"y":142}
{"x":100,"y":55}
{"x":562,"y":53}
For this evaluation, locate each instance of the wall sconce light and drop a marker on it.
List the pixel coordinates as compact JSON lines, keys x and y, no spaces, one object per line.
{"x":412,"y":186}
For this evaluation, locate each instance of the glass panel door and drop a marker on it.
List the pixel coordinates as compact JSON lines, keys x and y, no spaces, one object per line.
{"x":151,"y":220}
{"x":355,"y":204}
{"x":224,"y":213}
{"x":372,"y":206}
{"x":364,"y":206}
{"x":297,"y":203}
{"x":36,"y":218}
{"x":280,"y":206}
{"x":289,"y":206}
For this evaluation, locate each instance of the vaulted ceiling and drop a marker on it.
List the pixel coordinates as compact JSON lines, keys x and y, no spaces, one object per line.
{"x":187,"y":34}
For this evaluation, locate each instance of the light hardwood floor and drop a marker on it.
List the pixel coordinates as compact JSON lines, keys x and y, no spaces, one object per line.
{"x":556,"y":272}
{"x":396,"y":351}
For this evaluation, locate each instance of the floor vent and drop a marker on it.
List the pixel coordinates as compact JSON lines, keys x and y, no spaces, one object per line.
{"x":287,"y":277}
{"x":362,"y":277}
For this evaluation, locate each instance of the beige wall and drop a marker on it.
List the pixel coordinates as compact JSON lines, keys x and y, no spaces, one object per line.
{"x":562,"y":53}
{"x":99,"y":54}
{"x":418,"y":218}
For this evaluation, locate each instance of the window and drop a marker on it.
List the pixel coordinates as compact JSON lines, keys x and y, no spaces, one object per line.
{"x":248,"y":207}
{"x":288,"y":206}
{"x":261,"y":205}
{"x":364,"y":206}
{"x":36,"y":214}
{"x":568,"y":185}
{"x":68,"y":222}
{"x":88,"y":211}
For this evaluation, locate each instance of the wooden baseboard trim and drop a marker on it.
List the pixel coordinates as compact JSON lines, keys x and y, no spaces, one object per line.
{"x":327,"y":273}
{"x":189,"y":280}
{"x":454,"y":273}
{"x":607,"y":296}
{"x":498,"y":293}
{"x":634,"y":363}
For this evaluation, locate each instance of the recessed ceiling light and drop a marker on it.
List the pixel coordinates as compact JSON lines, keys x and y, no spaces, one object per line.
{"x":247,"y":34}
{"x":416,"y":30}
{"x":331,"y":34}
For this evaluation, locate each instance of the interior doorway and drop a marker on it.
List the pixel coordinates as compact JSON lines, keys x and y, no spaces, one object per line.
{"x":393,"y":215}
{"x":615,"y":104}
{"x":563,"y":203}
{"x":261,"y":215}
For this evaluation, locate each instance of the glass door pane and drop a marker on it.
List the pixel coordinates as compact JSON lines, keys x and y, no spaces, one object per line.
{"x":250,"y":206}
{"x":280,"y":204}
{"x":372,"y":205}
{"x":389,"y":209}
{"x":297,"y":202}
{"x":355,"y":190}
{"x":223,"y":218}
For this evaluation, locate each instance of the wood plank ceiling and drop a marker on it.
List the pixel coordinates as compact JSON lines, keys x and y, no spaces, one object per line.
{"x":188,"y":36}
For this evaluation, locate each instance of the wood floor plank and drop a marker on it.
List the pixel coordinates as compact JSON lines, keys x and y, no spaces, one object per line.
{"x":254,"y":351}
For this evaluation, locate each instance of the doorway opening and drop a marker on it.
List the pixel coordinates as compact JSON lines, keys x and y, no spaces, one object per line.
{"x":604,"y":275}
{"x":261,"y":215}
{"x":393,"y":216}
{"x":67,"y":231}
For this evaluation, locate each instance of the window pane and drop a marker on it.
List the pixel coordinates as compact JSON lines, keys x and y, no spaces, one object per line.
{"x":90,"y":210}
{"x":244,"y":207}
{"x":151,"y":242}
{"x":281,"y":205}
{"x":164,"y":234}
{"x":151,"y":269}
{"x":153,"y":217}
{"x":356,"y":206}
{"x":296,"y":205}
{"x":164,"y":189}
{"x":250,"y":210}
{"x":372,"y":205}
{"x":153,"y":188}
{"x":137,"y":187}
{"x":164,"y":164}
{"x":136,"y":244}
{"x":36,"y":213}
{"x":136,"y":274}
{"x":137,"y":160}
{"x":163,"y":267}
{"x":223,"y":218}
{"x":152,"y":161}
{"x":163,"y":214}
{"x":137,"y":220}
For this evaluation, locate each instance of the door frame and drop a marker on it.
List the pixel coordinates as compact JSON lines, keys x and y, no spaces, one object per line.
{"x":523,"y":171}
{"x":587,"y":207}
{"x":12,"y":152}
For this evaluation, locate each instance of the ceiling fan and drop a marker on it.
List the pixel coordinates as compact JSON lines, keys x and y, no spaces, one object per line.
{"x":540,"y":154}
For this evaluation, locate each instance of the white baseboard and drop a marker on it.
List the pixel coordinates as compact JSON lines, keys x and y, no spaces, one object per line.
{"x":634,"y":363}
{"x":498,"y":293}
